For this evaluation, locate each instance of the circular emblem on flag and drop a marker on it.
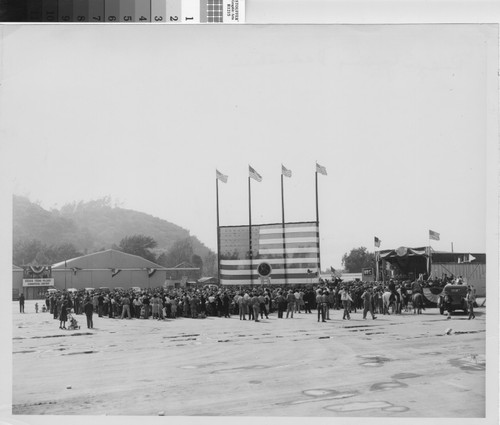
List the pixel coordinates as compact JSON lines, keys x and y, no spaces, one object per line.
{"x":401,"y":251}
{"x":264,"y":269}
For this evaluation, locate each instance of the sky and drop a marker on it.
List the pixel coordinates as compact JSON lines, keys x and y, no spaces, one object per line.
{"x":400,"y":116}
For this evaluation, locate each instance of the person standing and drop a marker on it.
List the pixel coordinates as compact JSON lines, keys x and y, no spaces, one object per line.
{"x":326,"y":304}
{"x":21,"y":303}
{"x":88,"y":309}
{"x":255,"y":303}
{"x":346,"y":299}
{"x":54,"y":306}
{"x":280,"y":303}
{"x":319,"y":306}
{"x":296,"y":294}
{"x":290,"y":299}
{"x":63,"y":315}
{"x":100,"y":304}
{"x":471,"y":299}
{"x":307,"y":301}
{"x":241,"y":306}
{"x":267,"y":304}
{"x":247,"y":300}
{"x":367,"y":298}
{"x":225,"y":304}
{"x":137,"y":307}
{"x":126,"y":307}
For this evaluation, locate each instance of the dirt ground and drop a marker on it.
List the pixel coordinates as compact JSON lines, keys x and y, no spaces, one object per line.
{"x":408,"y":365}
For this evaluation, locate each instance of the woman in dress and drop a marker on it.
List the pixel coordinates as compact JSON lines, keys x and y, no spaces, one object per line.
{"x":63,"y":316}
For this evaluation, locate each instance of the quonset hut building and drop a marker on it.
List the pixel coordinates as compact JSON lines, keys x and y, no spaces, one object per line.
{"x":108,"y":269}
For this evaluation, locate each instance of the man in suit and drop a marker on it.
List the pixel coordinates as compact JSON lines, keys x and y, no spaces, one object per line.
{"x":88,"y":309}
{"x":21,"y":303}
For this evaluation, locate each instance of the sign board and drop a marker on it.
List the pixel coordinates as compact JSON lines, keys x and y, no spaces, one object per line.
{"x":38,"y":282}
{"x":367,"y":275}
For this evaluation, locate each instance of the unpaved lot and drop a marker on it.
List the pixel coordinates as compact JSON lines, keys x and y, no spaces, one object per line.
{"x":396,"y":366}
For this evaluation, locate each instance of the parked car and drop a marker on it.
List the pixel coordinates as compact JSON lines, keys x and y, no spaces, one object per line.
{"x":453,"y":298}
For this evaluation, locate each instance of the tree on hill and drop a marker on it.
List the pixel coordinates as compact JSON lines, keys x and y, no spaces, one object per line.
{"x":210,"y":264}
{"x":357,"y":259}
{"x":28,"y":252}
{"x":138,"y":245}
{"x":196,"y":261}
{"x":180,"y":252}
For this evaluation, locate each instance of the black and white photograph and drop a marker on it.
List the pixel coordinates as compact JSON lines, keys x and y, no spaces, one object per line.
{"x":249,"y":221}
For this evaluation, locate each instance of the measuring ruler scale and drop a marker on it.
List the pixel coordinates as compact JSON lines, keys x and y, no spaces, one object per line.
{"x":124,"y":11}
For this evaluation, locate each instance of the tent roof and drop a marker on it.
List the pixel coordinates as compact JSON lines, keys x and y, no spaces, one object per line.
{"x":109,"y":258}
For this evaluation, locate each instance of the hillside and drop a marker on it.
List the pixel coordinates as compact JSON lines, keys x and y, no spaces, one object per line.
{"x":94,"y":225}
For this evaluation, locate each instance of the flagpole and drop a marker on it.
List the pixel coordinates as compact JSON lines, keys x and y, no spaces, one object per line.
{"x":250,"y":231}
{"x":283,"y":226}
{"x":317,"y":221}
{"x":218,"y":229}
{"x":429,"y":259}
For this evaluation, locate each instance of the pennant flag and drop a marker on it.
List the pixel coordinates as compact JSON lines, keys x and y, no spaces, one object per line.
{"x":254,"y":174}
{"x":377,"y":242}
{"x":75,"y":269}
{"x":151,"y":271}
{"x":285,"y":171}
{"x":220,"y":176}
{"x":433,"y":235}
{"x":114,"y":272}
{"x":471,"y":258}
{"x":320,"y":169}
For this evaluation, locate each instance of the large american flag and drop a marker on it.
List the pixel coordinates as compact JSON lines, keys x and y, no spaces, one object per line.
{"x":300,"y":251}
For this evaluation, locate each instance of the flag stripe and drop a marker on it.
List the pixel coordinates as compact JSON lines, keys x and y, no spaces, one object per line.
{"x":288,"y":237}
{"x":289,"y":251}
{"x":275,"y":266}
{"x":272,"y":261}
{"x":256,"y":277}
{"x":278,"y":230}
{"x":274,"y":281}
{"x":293,"y":272}
{"x":295,"y":240}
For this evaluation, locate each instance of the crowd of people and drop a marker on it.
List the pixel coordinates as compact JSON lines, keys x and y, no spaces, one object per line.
{"x":248,"y":303}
